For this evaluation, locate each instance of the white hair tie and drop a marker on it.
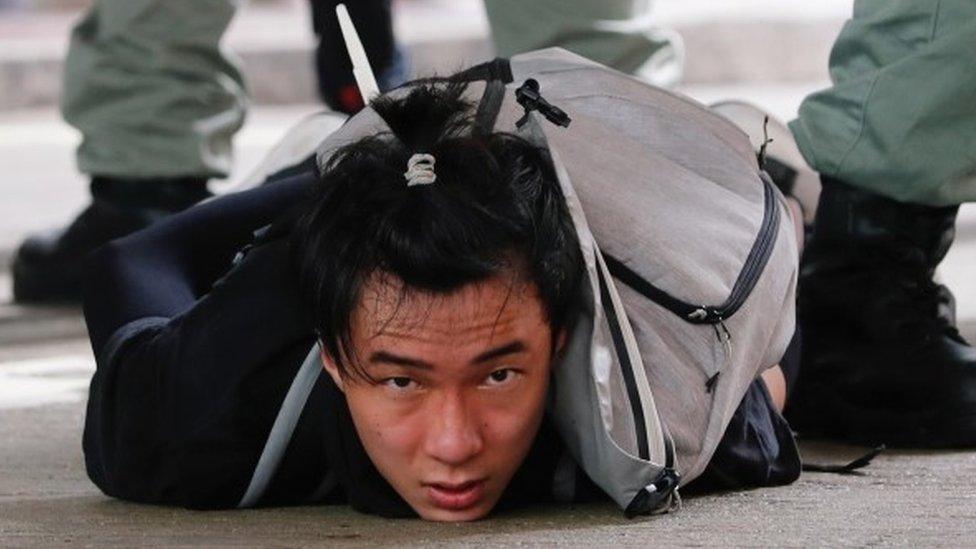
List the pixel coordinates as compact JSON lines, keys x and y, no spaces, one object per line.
{"x":420,"y":170}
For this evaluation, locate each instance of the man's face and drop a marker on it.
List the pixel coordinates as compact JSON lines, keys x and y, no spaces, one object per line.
{"x":458,"y":391}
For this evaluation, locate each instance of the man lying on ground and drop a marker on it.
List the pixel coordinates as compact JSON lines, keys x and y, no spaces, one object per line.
{"x":440,"y":272}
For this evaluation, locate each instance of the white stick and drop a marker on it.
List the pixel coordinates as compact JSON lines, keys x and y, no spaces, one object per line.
{"x":357,"y":54}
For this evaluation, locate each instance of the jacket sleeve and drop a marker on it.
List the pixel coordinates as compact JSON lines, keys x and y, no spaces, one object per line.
{"x":192,"y":361}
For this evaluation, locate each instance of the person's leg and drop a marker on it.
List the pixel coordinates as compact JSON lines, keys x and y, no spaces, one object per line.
{"x":898,"y":120}
{"x":157,"y":102}
{"x":758,"y":447}
{"x":374,"y":24}
{"x":151,"y":91}
{"x":776,"y":386}
{"x":617,"y":33}
{"x":893,"y":140}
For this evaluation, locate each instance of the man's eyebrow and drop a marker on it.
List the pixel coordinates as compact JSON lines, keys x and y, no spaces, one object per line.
{"x":507,"y":349}
{"x":390,"y":358}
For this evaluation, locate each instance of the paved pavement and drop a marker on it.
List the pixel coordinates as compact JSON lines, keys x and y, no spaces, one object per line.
{"x":905,"y":499}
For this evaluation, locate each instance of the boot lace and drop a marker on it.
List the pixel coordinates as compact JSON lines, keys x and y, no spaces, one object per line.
{"x":934,"y":306}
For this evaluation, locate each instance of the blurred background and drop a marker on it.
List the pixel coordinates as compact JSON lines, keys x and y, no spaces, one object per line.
{"x":769,"y":52}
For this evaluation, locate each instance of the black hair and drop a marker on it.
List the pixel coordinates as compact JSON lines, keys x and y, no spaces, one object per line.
{"x":496,"y":205}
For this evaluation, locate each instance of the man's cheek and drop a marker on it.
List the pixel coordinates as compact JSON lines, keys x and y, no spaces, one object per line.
{"x":386,"y":425}
{"x":512,"y":425}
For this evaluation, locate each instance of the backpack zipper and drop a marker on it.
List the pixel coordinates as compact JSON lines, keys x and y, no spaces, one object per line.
{"x":626,"y":369}
{"x":754,"y":265}
{"x":634,"y":398}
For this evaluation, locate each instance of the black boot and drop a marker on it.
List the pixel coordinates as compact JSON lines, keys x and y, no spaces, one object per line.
{"x":47,"y":267}
{"x":882,"y":360}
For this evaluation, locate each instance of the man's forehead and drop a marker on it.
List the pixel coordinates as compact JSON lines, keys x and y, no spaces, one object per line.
{"x":500,"y":303}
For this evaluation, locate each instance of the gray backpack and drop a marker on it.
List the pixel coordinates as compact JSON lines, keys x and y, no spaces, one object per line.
{"x":690,"y":257}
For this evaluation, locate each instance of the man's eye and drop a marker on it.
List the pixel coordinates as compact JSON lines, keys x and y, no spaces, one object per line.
{"x":500,"y":376}
{"x":398,"y":382}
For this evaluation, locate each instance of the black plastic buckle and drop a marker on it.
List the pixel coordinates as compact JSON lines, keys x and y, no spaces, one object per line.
{"x":529,"y":97}
{"x":653,"y":497}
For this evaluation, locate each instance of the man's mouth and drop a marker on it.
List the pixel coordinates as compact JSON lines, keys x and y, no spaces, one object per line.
{"x":456,"y":497}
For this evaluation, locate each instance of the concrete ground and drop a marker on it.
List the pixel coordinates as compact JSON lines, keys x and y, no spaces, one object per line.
{"x":905,"y":498}
{"x":909,"y":499}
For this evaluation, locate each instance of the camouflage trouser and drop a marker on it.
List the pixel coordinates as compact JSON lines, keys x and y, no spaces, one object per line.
{"x":150,"y":89}
{"x":900,"y":117}
{"x":618,"y":33}
{"x":154,"y":95}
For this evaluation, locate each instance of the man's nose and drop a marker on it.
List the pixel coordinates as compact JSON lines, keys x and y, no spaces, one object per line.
{"x":455,"y":435}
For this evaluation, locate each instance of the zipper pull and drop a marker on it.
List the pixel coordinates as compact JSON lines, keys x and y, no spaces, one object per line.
{"x":529,"y":97}
{"x":698,"y":314}
{"x":724,"y":335}
{"x":761,"y":155}
{"x":710,"y":384}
